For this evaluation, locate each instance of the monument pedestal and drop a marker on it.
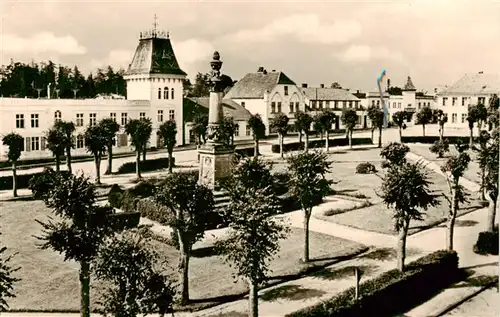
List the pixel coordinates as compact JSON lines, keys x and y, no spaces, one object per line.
{"x":216,"y":162}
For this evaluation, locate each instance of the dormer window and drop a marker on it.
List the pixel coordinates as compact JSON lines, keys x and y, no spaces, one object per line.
{"x":286,"y":90}
{"x":165,"y":93}
{"x":172,"y":93}
{"x":159,"y":93}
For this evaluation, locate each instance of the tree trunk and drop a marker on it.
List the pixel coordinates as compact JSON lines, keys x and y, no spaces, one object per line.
{"x":68,"y":159}
{"x":423,"y":129}
{"x":97,"y":161}
{"x":451,"y":220}
{"x":483,"y":174}
{"x":84,"y":289}
{"x":441,"y":132}
{"x":281,"y":145}
{"x":402,"y":245}
{"x":14,"y":178}
{"x":373,"y":129}
{"x":58,"y":163}
{"x":170,"y":161}
{"x":253,"y":299}
{"x":307,"y":217}
{"x":400,"y":135}
{"x":492,"y":209}
{"x":306,"y":147}
{"x":350,"y":139}
{"x":327,"y":142}
{"x":471,"y":138}
{"x":256,"y":149}
{"x":300,"y":138}
{"x":137,"y":163}
{"x":144,"y":155}
{"x":379,"y":137}
{"x":183,"y":271}
{"x":109,"y":169}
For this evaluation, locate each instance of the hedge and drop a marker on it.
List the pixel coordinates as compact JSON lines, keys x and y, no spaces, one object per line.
{"x":145,"y":166}
{"x":392,"y":292}
{"x":126,"y":220}
{"x":432,"y":139}
{"x":23,"y":180}
{"x":487,"y":243}
{"x":365,"y":168}
{"x":295,"y":146}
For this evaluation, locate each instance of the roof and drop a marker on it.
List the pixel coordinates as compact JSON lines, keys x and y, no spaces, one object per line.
{"x":154,"y":55}
{"x":230,"y":108}
{"x":478,"y":83}
{"x":253,"y":85}
{"x":328,"y":94}
{"x":409,"y":85}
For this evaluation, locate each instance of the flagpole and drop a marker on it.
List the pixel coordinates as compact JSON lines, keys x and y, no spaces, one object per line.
{"x":384,"y":108}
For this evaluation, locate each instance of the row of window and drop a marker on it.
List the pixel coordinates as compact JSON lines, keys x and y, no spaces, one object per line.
{"x":165,"y":93}
{"x":454,"y":118}
{"x":424,"y":104}
{"x":480,"y":100}
{"x":35,"y":118}
{"x":345,"y":104}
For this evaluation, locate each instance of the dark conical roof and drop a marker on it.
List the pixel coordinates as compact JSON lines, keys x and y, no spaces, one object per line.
{"x":154,"y":55}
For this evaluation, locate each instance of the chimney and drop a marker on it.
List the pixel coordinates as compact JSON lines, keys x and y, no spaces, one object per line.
{"x":322,"y":86}
{"x":304,"y":85}
{"x":48,"y":91}
{"x":357,"y":91}
{"x":274,"y":70}
{"x":388,"y":83}
{"x":260,"y":70}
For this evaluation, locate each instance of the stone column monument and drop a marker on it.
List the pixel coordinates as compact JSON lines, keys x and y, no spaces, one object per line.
{"x":215,"y":156}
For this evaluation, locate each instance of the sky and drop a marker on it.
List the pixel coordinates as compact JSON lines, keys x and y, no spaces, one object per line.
{"x":315,"y":42}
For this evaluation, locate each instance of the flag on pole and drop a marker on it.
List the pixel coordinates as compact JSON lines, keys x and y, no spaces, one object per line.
{"x":384,"y":106}
{"x":382,"y":76}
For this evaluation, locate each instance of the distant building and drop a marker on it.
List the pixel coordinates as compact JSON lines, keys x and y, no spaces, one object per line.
{"x":471,"y":89}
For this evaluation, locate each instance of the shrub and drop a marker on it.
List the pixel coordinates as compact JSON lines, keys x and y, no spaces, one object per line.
{"x":432,"y":139}
{"x":392,"y":292}
{"x":41,"y":182}
{"x":365,"y":168}
{"x":281,"y":180}
{"x":145,"y":166}
{"x":295,"y":146}
{"x":143,"y":189}
{"x":487,"y":243}
{"x":394,"y":153}
{"x":440,"y":147}
{"x":115,"y":196}
{"x":126,"y":220}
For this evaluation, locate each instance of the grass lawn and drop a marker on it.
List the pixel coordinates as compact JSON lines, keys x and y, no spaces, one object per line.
{"x":378,"y":217}
{"x":49,"y":283}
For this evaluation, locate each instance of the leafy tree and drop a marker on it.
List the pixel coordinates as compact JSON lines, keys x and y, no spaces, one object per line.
{"x":481,"y":116}
{"x":96,"y":143}
{"x":349,"y":119}
{"x":140,"y":132}
{"x":66,"y":130}
{"x":279,"y":123}
{"x":133,"y":284}
{"x":454,"y":169}
{"x":405,"y":189}
{"x":440,"y":117}
{"x":493,"y":112}
{"x":376,"y":116}
{"x":483,"y":140}
{"x":255,"y":233}
{"x":424,"y":116}
{"x":302,"y":125}
{"x":168,"y":131}
{"x":201,"y":87}
{"x":395,"y":154}
{"x":109,"y":129}
{"x":399,"y":118}
{"x":440,"y":147}
{"x":7,"y":280}
{"x":318,"y":125}
{"x":258,"y":131}
{"x":253,"y":173}
{"x":395,"y":91}
{"x":81,"y":228}
{"x":336,"y":85}
{"x":327,"y":118}
{"x":476,"y":114}
{"x":15,"y":143}
{"x":189,"y":205}
{"x":55,"y":143}
{"x":308,"y":184}
{"x":200,"y":124}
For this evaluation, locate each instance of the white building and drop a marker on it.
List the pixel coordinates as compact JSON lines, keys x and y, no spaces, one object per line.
{"x":154,"y":90}
{"x":471,"y":89}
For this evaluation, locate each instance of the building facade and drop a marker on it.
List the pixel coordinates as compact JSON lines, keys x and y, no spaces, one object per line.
{"x":154,"y":90}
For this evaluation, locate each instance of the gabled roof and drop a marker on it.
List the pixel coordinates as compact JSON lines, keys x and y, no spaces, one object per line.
{"x":479,"y":83}
{"x":328,"y":94}
{"x":253,"y":85}
{"x":192,"y":105}
{"x":154,"y":55}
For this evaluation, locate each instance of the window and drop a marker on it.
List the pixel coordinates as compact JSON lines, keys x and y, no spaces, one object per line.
{"x":350,"y":104}
{"x":124,"y":118}
{"x":243,"y":104}
{"x":160,"y":115}
{"x":399,"y":105}
{"x":79,"y":141}
{"x":464,"y":117}
{"x":159,"y":93}
{"x":35,"y":143}
{"x":248,"y":131}
{"x":236,"y":130}
{"x":79,"y":119}
{"x":335,"y":104}
{"x":296,"y":106}
{"x":57,"y":116}
{"x":279,"y":106}
{"x":172,"y":93}
{"x":171,"y":115}
{"x":286,"y":90}
{"x":463,"y":101}
{"x":453,"y":100}
{"x":142,"y":115}
{"x":419,"y":105}
{"x":373,"y":102}
{"x":344,"y":104}
{"x":34,"y":120}
{"x":454,"y":118}
{"x":20,"y":121}
{"x":320,"y":104}
{"x":93,"y":119}
{"x":481,"y":100}
{"x":291,"y":107}
{"x":112,"y":115}
{"x":313,"y":104}
{"x":327,"y":104}
{"x":444,"y":101}
{"x":273,"y":107}
{"x":165,"y":93}
{"x":394,"y":105}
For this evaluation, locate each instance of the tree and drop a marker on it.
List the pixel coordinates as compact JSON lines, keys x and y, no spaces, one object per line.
{"x":7,"y":280}
{"x":481,"y":116}
{"x":129,"y":268}
{"x":309,"y":185}
{"x":258,"y":131}
{"x":493,"y":112}
{"x":327,"y":118}
{"x":200,"y":124}
{"x":318,"y":125}
{"x":81,"y":228}
{"x":441,"y":118}
{"x":201,"y":87}
{"x":349,"y":119}
{"x":140,"y":132}
{"x":336,"y":85}
{"x":96,"y":143}
{"x":15,"y":143}
{"x":483,"y":140}
{"x":279,"y":123}
{"x":399,"y":118}
{"x":376,"y":116}
{"x":109,"y":129}
{"x":476,"y":114}
{"x":188,"y":205}
{"x":395,"y":154}
{"x":424,"y":116}
{"x":255,"y":232}
{"x":55,"y":140}
{"x":303,"y":124}
{"x":454,"y":169}
{"x":405,"y":189}
{"x":168,"y":131}
{"x":66,"y":130}
{"x":440,"y":147}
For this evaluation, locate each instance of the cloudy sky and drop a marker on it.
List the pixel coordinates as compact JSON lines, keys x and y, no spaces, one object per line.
{"x":435,"y":42}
